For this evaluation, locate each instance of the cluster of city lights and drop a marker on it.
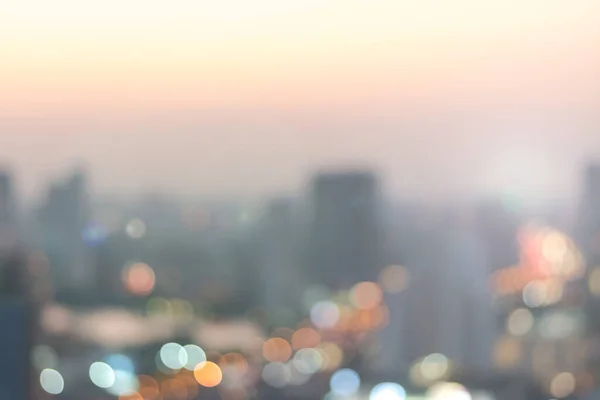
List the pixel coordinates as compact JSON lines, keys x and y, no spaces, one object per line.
{"x":288,"y":357}
{"x":550,"y":260}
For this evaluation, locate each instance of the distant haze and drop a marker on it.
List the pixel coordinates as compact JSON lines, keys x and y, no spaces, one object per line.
{"x":446,"y":98}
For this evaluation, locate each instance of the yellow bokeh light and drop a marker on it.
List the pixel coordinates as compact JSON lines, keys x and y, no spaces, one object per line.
{"x":333,"y":355}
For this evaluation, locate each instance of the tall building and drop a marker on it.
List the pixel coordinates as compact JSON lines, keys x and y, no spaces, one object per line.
{"x":344,"y":240}
{"x":63,"y":218}
{"x":281,"y":285}
{"x":445,"y":306}
{"x":17,"y":316}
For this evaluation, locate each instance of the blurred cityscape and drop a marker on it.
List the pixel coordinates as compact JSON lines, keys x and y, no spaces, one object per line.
{"x":334,"y":293}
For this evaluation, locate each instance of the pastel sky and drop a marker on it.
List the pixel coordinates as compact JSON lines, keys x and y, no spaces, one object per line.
{"x":447,"y":98}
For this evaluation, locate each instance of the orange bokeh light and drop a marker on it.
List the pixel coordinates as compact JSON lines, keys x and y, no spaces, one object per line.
{"x":139,"y":279}
{"x":208,"y":374}
{"x":305,"y":338}
{"x":149,"y":389}
{"x":366,"y":295}
{"x":132,"y":396}
{"x":174,"y":388}
{"x":277,"y":350}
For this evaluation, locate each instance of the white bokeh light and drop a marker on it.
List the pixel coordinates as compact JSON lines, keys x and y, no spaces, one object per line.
{"x":52,"y":381}
{"x":102,"y":375}
{"x":345,"y":382}
{"x":173,"y":356}
{"x":388,"y":391}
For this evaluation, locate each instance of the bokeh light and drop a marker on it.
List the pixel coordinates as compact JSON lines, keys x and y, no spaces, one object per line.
{"x":174,"y":388}
{"x":563,"y":385}
{"x":394,"y":279}
{"x":448,"y":391}
{"x":434,"y":366}
{"x":519,"y":322}
{"x":305,"y":338}
{"x":308,"y":361}
{"x":102,"y":375}
{"x":52,"y":381}
{"x":535,"y":294}
{"x":126,"y":384}
{"x":388,"y":391}
{"x":507,"y":352}
{"x":194,"y":355}
{"x":325,"y":314}
{"x":276,"y":374}
{"x":94,"y":235}
{"x":234,"y":364}
{"x":182,"y":310}
{"x":554,"y":247}
{"x":148,"y":387}
{"x":131,"y":396}
{"x":139,"y":279}
{"x":120,"y":362}
{"x":333,"y":355}
{"x":482,"y":395}
{"x":277,"y":349}
{"x":315,"y":294}
{"x":366,"y":295}
{"x":136,"y":229}
{"x":208,"y":374}
{"x":173,"y":356}
{"x":345,"y":382}
{"x":297,"y":377}
{"x":594,"y":282}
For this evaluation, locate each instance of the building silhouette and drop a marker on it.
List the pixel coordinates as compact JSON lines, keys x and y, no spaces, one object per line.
{"x":344,"y":231}
{"x":63,"y":218}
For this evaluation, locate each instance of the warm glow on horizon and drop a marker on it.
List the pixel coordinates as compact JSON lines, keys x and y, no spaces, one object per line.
{"x":188,"y":53}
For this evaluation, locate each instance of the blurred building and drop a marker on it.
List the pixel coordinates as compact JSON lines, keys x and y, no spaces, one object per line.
{"x":449,"y":309}
{"x":63,"y":219}
{"x":7,"y":201}
{"x":498,"y":225}
{"x":588,"y":235}
{"x":8,"y":212}
{"x":280,"y":276}
{"x":344,"y":234}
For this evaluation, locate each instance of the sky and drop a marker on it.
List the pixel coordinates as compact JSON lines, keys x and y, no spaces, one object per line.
{"x":446,"y":98}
